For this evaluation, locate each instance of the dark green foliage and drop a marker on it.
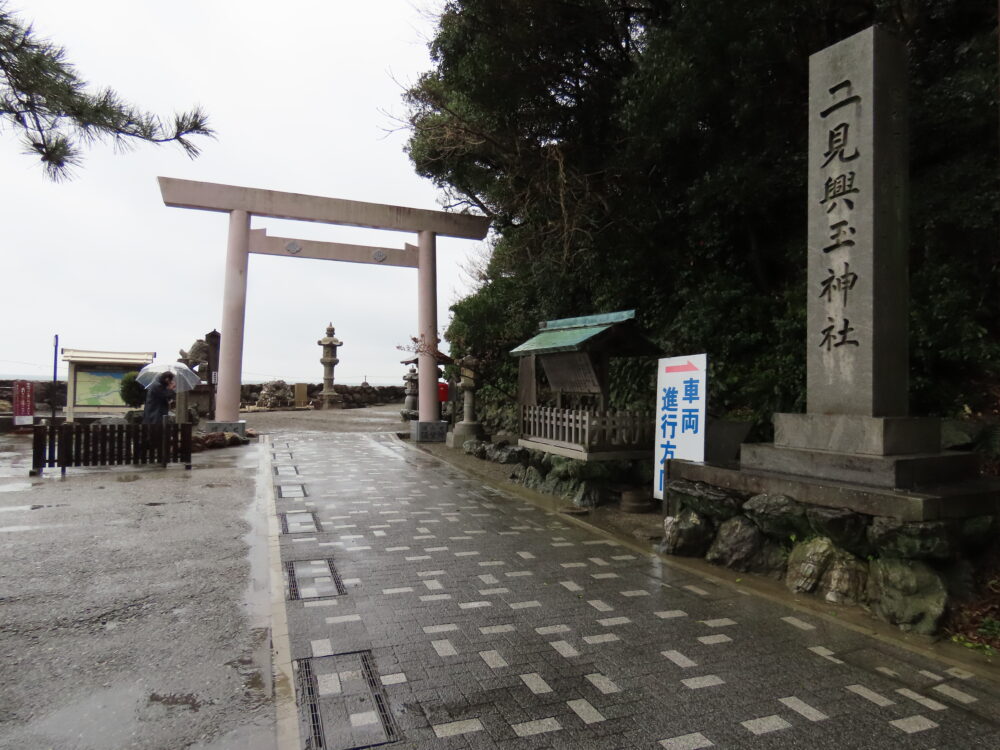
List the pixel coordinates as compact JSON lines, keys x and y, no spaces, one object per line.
{"x":44,"y":100}
{"x":132,"y":393}
{"x":653,"y":155}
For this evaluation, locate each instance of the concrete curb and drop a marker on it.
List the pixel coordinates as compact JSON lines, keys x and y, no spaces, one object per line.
{"x":286,"y":710}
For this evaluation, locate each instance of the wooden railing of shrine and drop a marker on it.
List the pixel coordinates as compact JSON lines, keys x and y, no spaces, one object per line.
{"x":602,"y":429}
{"x":73,"y":444}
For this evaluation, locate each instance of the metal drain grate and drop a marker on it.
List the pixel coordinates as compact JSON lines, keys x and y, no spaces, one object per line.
{"x":309,"y":699}
{"x":285,"y":470}
{"x":336,"y":689}
{"x":305,"y":579}
{"x":381,"y":704}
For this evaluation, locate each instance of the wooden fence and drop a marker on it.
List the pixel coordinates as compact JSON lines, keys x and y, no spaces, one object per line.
{"x":72,"y":444}
{"x":602,"y":429}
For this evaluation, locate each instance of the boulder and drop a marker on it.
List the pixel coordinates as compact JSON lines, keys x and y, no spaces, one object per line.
{"x":215,"y":440}
{"x":737,"y":544}
{"x":771,"y":560}
{"x":688,"y":533}
{"x":556,"y":485}
{"x":587,"y":495}
{"x":923,"y":540}
{"x":778,"y":516}
{"x":845,"y":579}
{"x":506,"y":454}
{"x":234,"y":439}
{"x":475,"y":448}
{"x":807,"y":563}
{"x":704,"y":499}
{"x":907,"y":593}
{"x":845,"y":528}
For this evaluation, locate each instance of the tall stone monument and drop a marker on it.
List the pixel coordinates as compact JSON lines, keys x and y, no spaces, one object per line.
{"x":856,"y":446}
{"x":329,"y":398}
{"x":469,"y":428}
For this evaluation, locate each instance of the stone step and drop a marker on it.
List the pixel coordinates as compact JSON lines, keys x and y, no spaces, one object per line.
{"x":893,"y":472}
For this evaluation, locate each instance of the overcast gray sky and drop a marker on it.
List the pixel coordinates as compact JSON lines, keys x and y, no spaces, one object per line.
{"x":304,"y":96}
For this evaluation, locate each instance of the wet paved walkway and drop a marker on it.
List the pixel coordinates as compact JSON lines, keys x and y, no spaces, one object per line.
{"x":431,"y":611}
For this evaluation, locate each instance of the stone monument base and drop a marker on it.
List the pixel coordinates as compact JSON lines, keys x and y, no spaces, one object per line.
{"x":428,"y":432}
{"x":972,"y":497}
{"x":854,"y":433}
{"x":889,"y":472}
{"x":239,"y":427}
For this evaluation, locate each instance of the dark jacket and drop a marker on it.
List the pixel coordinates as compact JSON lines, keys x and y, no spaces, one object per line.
{"x":158,"y":399}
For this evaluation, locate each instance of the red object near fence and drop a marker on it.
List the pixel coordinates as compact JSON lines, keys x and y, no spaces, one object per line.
{"x":24,"y":403}
{"x":442,"y":392}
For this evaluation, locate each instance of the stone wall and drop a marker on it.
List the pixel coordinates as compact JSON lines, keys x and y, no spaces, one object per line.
{"x":903,"y":573}
{"x":354,"y":396}
{"x":584,"y":484}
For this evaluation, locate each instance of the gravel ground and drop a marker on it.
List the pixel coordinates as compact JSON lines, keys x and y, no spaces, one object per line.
{"x":129,"y":617}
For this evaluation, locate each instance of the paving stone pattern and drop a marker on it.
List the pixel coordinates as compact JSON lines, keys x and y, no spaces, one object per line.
{"x":486,"y":622}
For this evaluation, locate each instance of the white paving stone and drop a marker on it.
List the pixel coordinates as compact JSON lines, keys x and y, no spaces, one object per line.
{"x":401,"y":590}
{"x":458,"y":727}
{"x":670,"y":614}
{"x":535,"y":683}
{"x":321,"y":647}
{"x":564,"y":649}
{"x":493,"y":629}
{"x":570,"y":585}
{"x":712,"y":640}
{"x":552,"y":629}
{"x":695,"y":741}
{"x":870,"y":695}
{"x":600,"y":606}
{"x":493,"y":659}
{"x":444,"y":648}
{"x":435,"y":597}
{"x":609,"y":622}
{"x":797,"y":623}
{"x":803,"y":709}
{"x":954,"y":694}
{"x":328,"y":684}
{"x":587,"y":713}
{"x":913,"y":724}
{"x":540,"y":726}
{"x":924,"y":701}
{"x":440,"y":628}
{"x":525,"y":605}
{"x":474,"y":605}
{"x":602,"y":683}
{"x":696,"y":590}
{"x":637,"y":592}
{"x":364,"y":719}
{"x":721,"y":622}
{"x":394,"y":679}
{"x":679,"y":659}
{"x":602,"y":638}
{"x":696,"y":683}
{"x":765,"y":724}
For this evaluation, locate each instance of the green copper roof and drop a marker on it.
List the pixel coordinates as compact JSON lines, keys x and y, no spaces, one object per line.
{"x":605,"y":319}
{"x":561,"y":340}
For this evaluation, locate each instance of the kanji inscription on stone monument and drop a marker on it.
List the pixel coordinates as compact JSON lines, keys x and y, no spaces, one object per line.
{"x":858,"y":290}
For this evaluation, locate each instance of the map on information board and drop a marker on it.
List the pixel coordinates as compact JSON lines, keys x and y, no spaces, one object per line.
{"x":99,"y":387}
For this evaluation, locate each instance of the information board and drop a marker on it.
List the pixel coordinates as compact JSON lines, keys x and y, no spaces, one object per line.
{"x":681,"y":396}
{"x":24,"y":402}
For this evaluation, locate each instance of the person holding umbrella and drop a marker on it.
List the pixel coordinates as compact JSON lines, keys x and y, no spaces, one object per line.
{"x":158,"y":398}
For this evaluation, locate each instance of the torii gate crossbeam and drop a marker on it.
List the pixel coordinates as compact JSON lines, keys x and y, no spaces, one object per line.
{"x":241,"y":203}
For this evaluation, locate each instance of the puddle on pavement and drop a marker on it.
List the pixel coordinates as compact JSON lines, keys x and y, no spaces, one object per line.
{"x":4,"y":529}
{"x":17,"y":486}
{"x":255,"y":666}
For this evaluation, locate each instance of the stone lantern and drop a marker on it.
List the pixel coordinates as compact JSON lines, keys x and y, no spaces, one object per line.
{"x":410,"y":404}
{"x":468,"y":428}
{"x":329,"y":398}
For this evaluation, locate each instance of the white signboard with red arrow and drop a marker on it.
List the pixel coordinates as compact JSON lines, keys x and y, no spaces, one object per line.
{"x":681,"y":396}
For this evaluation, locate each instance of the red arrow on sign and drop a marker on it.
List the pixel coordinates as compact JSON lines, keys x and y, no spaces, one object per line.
{"x":689,"y":367}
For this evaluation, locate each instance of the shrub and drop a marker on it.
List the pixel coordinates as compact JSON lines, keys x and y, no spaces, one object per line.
{"x":132,"y":393}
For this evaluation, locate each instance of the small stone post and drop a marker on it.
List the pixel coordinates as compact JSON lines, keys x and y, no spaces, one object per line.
{"x":329,"y":398}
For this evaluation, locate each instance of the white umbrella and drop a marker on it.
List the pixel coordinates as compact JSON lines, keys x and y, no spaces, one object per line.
{"x":184,"y":376}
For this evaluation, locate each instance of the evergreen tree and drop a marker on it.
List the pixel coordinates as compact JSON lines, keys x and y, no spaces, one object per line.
{"x":44,"y":100}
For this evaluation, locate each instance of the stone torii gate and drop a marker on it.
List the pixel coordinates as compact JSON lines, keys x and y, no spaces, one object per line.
{"x":241,"y":203}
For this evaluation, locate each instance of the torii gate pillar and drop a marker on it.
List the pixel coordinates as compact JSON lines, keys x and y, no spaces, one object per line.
{"x":427,"y":327}
{"x":234,"y":306}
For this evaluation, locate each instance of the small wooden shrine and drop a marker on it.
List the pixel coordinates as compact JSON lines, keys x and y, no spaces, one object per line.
{"x":576,"y":421}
